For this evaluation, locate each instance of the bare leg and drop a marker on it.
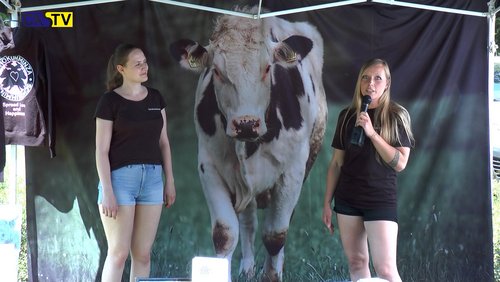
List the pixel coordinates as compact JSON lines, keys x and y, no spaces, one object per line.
{"x":146,"y":222}
{"x":383,"y":236}
{"x":118,"y":235}
{"x":355,"y":244}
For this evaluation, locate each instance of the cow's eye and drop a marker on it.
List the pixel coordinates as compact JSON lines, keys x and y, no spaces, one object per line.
{"x":268,"y":68}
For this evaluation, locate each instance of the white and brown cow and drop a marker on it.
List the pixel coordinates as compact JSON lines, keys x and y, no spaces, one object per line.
{"x":260,"y":117}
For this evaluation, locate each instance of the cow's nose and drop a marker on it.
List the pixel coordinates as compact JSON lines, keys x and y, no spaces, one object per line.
{"x":246,"y":127}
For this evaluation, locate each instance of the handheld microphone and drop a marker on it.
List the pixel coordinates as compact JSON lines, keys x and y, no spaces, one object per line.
{"x":358,"y":134}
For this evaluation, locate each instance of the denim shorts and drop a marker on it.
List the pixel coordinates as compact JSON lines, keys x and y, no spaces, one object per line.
{"x":136,"y":184}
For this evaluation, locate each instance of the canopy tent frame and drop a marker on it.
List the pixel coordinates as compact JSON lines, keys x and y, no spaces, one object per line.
{"x":15,"y":12}
{"x":259,"y":15}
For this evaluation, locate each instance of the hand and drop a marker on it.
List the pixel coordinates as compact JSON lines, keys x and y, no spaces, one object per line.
{"x":366,"y":123}
{"x":108,"y":206}
{"x":327,"y":218}
{"x":169,"y":194}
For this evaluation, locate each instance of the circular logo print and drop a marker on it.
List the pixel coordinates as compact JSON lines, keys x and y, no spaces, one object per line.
{"x":16,"y":78}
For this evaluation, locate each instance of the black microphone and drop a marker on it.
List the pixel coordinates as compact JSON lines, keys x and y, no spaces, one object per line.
{"x":358,"y":134}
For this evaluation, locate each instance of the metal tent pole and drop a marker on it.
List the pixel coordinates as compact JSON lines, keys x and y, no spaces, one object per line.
{"x":68,"y":5}
{"x":431,"y":8}
{"x":6,"y":4}
{"x":11,"y":152}
{"x":322,"y":6}
{"x":204,"y":8}
{"x":311,"y":8}
{"x":492,"y":48}
{"x":259,"y":15}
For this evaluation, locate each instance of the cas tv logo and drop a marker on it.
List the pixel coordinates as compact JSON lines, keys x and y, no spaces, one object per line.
{"x":47,"y":19}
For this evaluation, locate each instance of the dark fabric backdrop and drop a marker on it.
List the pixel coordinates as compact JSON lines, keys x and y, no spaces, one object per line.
{"x":439,"y":67}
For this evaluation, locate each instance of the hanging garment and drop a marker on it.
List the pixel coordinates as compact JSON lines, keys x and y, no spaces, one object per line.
{"x":26,"y":92}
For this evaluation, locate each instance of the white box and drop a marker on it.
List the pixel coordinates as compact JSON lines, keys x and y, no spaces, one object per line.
{"x":208,"y":269}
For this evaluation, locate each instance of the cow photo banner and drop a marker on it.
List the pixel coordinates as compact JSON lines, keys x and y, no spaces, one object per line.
{"x":439,"y":66}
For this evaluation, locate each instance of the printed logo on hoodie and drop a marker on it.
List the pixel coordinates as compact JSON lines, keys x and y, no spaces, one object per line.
{"x":16,"y":78}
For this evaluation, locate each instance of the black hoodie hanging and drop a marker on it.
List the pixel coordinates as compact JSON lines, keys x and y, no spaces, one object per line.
{"x":26,"y":91}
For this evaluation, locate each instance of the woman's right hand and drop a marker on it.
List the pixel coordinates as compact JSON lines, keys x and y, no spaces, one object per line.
{"x":108,"y":206}
{"x":327,"y":218}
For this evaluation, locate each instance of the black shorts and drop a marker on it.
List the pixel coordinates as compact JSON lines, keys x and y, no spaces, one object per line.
{"x":390,"y":214}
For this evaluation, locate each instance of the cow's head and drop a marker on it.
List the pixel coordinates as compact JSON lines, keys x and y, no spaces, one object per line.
{"x":239,"y":69}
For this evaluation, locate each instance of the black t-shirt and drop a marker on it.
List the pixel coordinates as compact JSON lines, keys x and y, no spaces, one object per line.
{"x":136,"y":128}
{"x":364,"y":182}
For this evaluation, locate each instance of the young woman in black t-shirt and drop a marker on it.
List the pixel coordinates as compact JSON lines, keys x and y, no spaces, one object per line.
{"x":132,"y":155}
{"x":361,"y":178}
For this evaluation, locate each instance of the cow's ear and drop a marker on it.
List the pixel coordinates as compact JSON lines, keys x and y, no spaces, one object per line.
{"x":293,"y":49}
{"x":189,"y":54}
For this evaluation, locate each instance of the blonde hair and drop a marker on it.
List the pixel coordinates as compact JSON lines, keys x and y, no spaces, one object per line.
{"x":388,"y":115}
{"x":119,"y":57}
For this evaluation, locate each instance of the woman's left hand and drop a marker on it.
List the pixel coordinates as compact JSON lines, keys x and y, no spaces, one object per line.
{"x":169,"y":194}
{"x":327,"y":218}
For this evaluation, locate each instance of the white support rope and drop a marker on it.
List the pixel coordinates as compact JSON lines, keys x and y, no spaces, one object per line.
{"x":67,"y":5}
{"x":432,"y":8}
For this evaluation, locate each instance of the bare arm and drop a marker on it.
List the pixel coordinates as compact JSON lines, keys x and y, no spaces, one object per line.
{"x":332,"y":178}
{"x":395,"y":157}
{"x":103,"y":140}
{"x":169,"y":189}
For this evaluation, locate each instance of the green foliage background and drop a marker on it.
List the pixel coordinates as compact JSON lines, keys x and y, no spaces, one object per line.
{"x":496,"y":227}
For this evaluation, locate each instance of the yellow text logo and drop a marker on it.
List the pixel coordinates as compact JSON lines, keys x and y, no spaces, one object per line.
{"x":60,"y":19}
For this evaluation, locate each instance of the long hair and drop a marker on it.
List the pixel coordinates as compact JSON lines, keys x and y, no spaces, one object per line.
{"x":389,"y":114}
{"x":119,"y":57}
